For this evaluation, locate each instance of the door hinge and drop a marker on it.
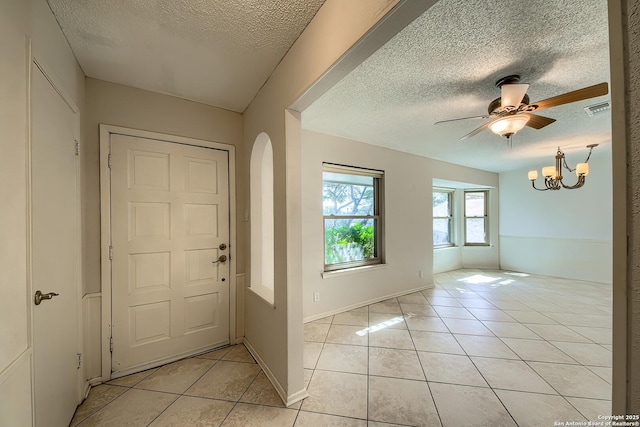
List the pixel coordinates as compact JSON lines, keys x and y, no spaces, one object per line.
{"x":109,"y":161}
{"x":79,"y":360}
{"x":111,"y":344}
{"x":77,"y":148}
{"x":110,"y":253}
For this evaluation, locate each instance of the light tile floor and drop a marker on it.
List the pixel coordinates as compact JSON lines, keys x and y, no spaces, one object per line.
{"x":482,"y":348}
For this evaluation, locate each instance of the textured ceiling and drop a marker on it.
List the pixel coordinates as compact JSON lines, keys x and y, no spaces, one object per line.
{"x":445,"y":64}
{"x":218,"y":52}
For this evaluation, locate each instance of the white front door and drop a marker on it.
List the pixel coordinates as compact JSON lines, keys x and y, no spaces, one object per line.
{"x":170,"y":249}
{"x":54,"y":254}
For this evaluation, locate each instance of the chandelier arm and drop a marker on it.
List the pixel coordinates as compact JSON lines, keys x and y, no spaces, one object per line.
{"x":578,"y":184}
{"x":551,"y":184}
{"x":533,"y":184}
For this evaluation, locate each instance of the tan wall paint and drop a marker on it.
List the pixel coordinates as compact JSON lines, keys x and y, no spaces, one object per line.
{"x":275,"y":333}
{"x":51,"y":49}
{"x":14,"y":24}
{"x":118,"y":105}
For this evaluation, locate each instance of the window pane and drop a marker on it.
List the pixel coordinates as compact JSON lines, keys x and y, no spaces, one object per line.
{"x":347,"y":240}
{"x":441,"y":231}
{"x":441,"y":204}
{"x":475,"y":230}
{"x":346,"y":194}
{"x":474,"y":204}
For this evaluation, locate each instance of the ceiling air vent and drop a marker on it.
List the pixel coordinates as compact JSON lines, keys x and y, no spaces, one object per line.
{"x":596,"y":109}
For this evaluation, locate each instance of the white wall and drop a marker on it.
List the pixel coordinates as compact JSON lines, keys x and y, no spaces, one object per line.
{"x":564,"y":233}
{"x":408,"y":214}
{"x":22,"y":24}
{"x":447,"y":259}
{"x":459,"y":255}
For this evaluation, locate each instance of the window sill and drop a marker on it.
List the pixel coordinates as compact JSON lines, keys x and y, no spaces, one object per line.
{"x":263,"y":293}
{"x":353,"y":270}
{"x":445,"y":247}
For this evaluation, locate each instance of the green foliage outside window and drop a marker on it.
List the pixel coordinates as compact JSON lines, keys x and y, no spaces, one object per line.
{"x":348,"y":242}
{"x":351,"y":219}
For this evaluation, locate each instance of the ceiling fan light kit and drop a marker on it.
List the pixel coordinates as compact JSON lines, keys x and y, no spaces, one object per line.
{"x":553,"y":174}
{"x":509,"y":125}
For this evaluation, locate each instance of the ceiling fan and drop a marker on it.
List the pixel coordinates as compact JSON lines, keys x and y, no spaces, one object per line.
{"x":512,"y":111}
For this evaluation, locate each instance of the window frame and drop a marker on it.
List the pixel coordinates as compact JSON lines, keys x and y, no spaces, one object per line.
{"x":377,"y":217}
{"x":485,"y":217}
{"x":451,"y":217}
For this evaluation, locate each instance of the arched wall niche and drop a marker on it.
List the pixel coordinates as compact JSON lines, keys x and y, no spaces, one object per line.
{"x":262,"y":235}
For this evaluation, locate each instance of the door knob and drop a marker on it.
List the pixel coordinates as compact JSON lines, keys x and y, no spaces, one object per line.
{"x":222,"y":258}
{"x":37,"y":299}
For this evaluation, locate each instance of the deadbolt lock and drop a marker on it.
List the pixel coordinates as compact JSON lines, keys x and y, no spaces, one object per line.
{"x":223,"y":246}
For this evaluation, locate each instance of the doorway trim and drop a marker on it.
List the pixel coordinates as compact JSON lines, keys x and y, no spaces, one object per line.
{"x":105,"y":228}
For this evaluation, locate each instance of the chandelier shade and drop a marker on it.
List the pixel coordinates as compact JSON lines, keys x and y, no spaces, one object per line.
{"x":582,"y":169}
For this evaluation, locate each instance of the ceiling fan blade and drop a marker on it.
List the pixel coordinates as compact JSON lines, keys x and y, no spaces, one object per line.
{"x":577,"y":95}
{"x":462,"y":118}
{"x":476,"y":131}
{"x":538,"y":122}
{"x":512,"y":94}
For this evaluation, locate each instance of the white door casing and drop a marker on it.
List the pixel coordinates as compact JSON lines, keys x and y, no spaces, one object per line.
{"x":169,"y":227}
{"x":55,"y":253}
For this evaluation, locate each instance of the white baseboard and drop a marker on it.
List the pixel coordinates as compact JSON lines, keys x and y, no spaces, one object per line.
{"x":365,"y":303}
{"x":297,"y":397}
{"x":288,"y":400}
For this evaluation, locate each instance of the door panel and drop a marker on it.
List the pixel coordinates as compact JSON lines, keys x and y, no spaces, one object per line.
{"x":170,"y":214}
{"x":55,"y":254}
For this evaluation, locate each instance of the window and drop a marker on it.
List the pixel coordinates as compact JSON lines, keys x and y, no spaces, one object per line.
{"x":442,"y":218}
{"x":351,"y":206}
{"x":475,"y":218}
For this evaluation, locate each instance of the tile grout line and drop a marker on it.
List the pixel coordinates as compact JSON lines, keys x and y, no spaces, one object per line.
{"x":411,"y":332}
{"x":426,"y":379}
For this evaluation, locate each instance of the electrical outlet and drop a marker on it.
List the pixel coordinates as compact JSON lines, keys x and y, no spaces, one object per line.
{"x":421,"y":274}
{"x":316,"y":296}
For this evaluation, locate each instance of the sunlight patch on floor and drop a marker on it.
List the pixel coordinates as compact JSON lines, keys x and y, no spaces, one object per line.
{"x":383,"y":325}
{"x":479,"y":279}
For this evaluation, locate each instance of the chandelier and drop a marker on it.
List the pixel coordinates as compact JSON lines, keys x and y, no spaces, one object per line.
{"x":553,"y":174}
